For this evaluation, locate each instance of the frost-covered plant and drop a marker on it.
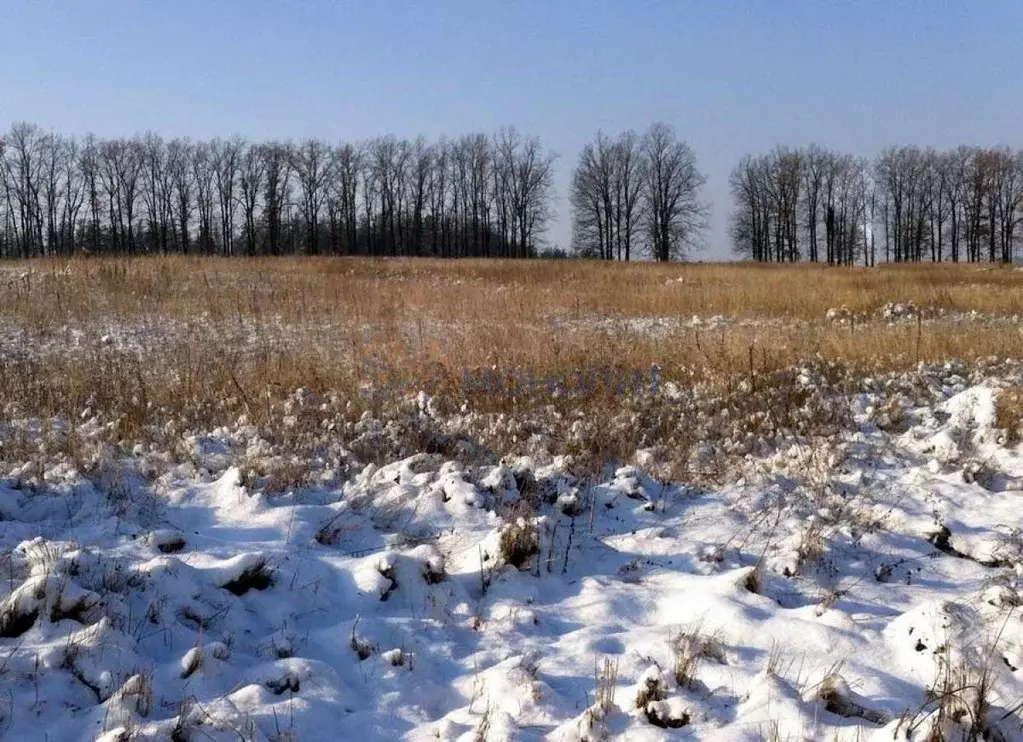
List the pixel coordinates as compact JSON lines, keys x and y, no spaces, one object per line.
{"x":1009,"y":414}
{"x":519,"y":542}
{"x":605,"y":684}
{"x":651,"y":688}
{"x":688,"y":649}
{"x":362,"y":647}
{"x":254,"y":573}
{"x":813,"y":545}
{"x":834,"y":693}
{"x":653,"y":701}
{"x":668,"y":715}
{"x":959,"y":701}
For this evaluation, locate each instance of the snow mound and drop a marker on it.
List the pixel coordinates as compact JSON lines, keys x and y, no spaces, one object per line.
{"x":854,"y":583}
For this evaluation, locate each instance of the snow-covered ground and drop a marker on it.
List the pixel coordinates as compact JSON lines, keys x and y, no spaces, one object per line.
{"x":860,"y":585}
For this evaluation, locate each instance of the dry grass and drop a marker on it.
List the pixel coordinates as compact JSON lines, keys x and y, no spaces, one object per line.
{"x":304,"y":289}
{"x":520,"y":542}
{"x":689,"y":648}
{"x":605,"y":680}
{"x":1009,"y":413}
{"x":202,"y":341}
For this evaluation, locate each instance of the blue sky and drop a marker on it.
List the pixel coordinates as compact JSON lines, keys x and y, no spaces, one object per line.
{"x":732,"y":77}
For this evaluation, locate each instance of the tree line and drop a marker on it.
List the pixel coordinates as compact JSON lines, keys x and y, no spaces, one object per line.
{"x":476,"y":195}
{"x":631,"y":195}
{"x":910,"y":204}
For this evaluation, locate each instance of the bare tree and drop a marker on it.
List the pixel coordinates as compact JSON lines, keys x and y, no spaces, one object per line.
{"x":524,"y":185}
{"x":276,"y":192}
{"x":53,"y":190}
{"x":24,"y":169}
{"x":227,"y":157}
{"x":785,"y":197}
{"x":348,"y":162}
{"x":754,"y":218}
{"x":438,"y":200}
{"x":74,"y":197}
{"x":592,"y":200}
{"x":311,"y":161}
{"x":250,"y":181}
{"x":179,"y":156}
{"x":422,"y":165}
{"x":120,"y":169}
{"x":1007,"y":196}
{"x":154,"y":177}
{"x":203,"y":175}
{"x":784,"y":185}
{"x":629,"y":175}
{"x":675,"y":215}
{"x":88,"y":163}
{"x":480,"y":196}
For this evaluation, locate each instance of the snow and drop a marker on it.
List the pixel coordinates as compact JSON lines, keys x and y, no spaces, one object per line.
{"x":836,"y":587}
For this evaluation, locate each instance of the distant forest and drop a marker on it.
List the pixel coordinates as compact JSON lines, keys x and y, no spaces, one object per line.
{"x":909,"y":205}
{"x":631,"y":195}
{"x":477,"y":195}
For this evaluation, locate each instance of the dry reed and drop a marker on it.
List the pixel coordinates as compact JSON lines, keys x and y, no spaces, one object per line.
{"x":201,"y":341}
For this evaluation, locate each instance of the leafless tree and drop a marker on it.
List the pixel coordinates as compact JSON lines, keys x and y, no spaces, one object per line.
{"x":675,"y":216}
{"x":154,"y":185}
{"x":24,"y":173}
{"x":250,"y":181}
{"x":966,"y":203}
{"x":422,"y":166}
{"x":179,"y":157}
{"x":227,"y":157}
{"x":784,"y":199}
{"x":312,"y":163}
{"x":276,"y":192}
{"x":348,"y":162}
{"x":606,"y":197}
{"x":524,"y":182}
{"x":54,"y":170}
{"x":204,"y":175}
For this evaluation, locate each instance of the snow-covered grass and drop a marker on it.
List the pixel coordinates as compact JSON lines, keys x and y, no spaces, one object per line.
{"x":809,"y":547}
{"x":862,"y":584}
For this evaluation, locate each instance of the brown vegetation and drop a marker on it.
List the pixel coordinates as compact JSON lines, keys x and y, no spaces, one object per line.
{"x":1009,"y":413}
{"x":202,"y":341}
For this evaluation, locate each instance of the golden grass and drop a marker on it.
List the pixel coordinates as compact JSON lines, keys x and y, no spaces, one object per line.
{"x":221,"y":337}
{"x":301,"y":289}
{"x":1009,"y":413}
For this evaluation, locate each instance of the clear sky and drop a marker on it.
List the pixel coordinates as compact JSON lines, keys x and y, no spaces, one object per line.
{"x":732,"y":77}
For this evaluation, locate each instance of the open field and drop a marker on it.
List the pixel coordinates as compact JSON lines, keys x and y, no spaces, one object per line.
{"x":151,"y":338}
{"x":491,"y":501}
